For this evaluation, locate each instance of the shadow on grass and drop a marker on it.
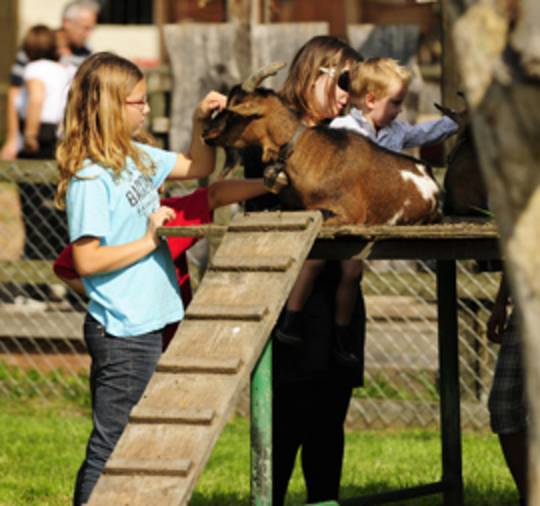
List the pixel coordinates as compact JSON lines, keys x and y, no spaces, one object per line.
{"x":219,"y":499}
{"x":473,"y":496}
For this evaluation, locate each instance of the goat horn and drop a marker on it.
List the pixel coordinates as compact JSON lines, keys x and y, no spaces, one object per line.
{"x":255,"y":79}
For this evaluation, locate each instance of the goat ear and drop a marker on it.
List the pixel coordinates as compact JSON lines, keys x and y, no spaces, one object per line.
{"x":247,"y":109}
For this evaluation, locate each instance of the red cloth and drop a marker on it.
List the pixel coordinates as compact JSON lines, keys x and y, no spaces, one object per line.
{"x":190,"y":209}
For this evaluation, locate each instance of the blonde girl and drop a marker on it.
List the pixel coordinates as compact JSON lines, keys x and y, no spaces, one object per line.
{"x":108,"y":184}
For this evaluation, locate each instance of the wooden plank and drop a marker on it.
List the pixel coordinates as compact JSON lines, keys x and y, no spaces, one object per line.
{"x":183,"y":364}
{"x":29,"y":171}
{"x":249,"y":312}
{"x":451,"y":231}
{"x":250,"y":263}
{"x":27,"y":271}
{"x":196,"y":392}
{"x":173,"y":467}
{"x":262,"y":244}
{"x":271,"y":221}
{"x":141,"y":414}
{"x":18,"y":322}
{"x":139,"y":490}
{"x":211,"y":339}
{"x":198,"y":231}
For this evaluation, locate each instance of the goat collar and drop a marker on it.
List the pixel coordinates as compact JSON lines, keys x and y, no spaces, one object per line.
{"x":287,"y":149}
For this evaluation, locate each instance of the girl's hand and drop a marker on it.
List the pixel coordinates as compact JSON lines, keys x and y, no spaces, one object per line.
{"x":157,"y":219}
{"x":214,"y":101}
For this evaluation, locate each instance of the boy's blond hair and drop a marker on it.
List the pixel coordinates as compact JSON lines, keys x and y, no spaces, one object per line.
{"x":376,"y":75}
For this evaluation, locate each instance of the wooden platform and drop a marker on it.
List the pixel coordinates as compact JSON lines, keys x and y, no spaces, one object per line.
{"x":186,"y":404}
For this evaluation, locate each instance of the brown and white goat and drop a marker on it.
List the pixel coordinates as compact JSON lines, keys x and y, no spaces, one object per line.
{"x":336,"y":171}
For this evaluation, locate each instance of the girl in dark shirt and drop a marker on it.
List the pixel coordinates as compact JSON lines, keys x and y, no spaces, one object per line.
{"x":311,"y":390}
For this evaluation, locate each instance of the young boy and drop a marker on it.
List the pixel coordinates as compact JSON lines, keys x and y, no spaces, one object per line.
{"x":378,"y":88}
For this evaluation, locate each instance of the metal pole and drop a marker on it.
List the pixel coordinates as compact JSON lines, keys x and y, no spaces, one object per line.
{"x":449,"y":382}
{"x":261,"y":429}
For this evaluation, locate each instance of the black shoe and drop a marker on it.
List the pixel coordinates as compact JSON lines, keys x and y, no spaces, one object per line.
{"x":288,"y":338}
{"x":289,"y":330}
{"x":342,"y":356}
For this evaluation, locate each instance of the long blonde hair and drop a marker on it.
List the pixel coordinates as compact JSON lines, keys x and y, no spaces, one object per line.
{"x":95,"y":126}
{"x":320,"y":51}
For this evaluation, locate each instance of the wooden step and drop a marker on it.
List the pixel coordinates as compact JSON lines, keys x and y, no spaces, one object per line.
{"x":141,"y":414}
{"x":157,"y":467}
{"x":270,"y":222}
{"x":226,"y":312}
{"x":198,"y":365}
{"x":250,"y":263}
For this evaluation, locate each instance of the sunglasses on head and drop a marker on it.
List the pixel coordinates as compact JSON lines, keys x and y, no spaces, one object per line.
{"x":343,"y":80}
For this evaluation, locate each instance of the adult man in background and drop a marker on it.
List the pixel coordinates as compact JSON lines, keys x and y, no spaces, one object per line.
{"x":78,"y":20}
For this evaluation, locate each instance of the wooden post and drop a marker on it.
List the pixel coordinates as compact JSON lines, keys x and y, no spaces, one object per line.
{"x":239,"y":11}
{"x":261,"y":430}
{"x":8,"y":36}
{"x":449,"y":371}
{"x":8,"y":43}
{"x":161,"y":17}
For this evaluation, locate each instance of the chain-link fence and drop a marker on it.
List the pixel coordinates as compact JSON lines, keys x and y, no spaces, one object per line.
{"x":42,"y":351}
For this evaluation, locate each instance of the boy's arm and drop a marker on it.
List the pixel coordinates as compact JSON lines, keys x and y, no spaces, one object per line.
{"x":429,"y":132}
{"x":229,"y":191}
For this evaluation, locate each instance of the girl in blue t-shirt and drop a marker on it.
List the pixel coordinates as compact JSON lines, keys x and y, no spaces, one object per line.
{"x":109,"y":185}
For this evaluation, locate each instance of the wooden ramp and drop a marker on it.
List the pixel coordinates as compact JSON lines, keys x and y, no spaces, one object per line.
{"x":174,"y":427}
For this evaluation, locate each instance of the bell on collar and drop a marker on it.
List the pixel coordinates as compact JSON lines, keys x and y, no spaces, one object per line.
{"x":275,"y":177}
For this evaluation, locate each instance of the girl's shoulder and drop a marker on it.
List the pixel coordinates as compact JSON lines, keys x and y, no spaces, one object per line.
{"x":152,"y":151}
{"x":91,"y":171}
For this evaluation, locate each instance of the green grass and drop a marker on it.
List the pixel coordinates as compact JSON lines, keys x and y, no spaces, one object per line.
{"x":42,"y":444}
{"x":19,"y":384}
{"x":420,"y":387}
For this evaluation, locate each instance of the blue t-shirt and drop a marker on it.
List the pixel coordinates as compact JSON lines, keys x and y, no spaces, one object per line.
{"x":144,"y":296}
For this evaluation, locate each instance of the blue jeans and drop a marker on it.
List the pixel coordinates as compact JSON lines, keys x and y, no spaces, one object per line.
{"x":121,"y":368}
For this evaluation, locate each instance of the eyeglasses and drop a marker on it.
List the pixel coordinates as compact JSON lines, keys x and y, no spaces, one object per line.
{"x":343,"y":80}
{"x":139,"y":104}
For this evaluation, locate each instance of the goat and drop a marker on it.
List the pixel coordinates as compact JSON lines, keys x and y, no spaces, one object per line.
{"x":465,"y":192}
{"x":343,"y":174}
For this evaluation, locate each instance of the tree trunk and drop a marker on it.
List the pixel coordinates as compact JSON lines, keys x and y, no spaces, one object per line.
{"x":496,"y":46}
